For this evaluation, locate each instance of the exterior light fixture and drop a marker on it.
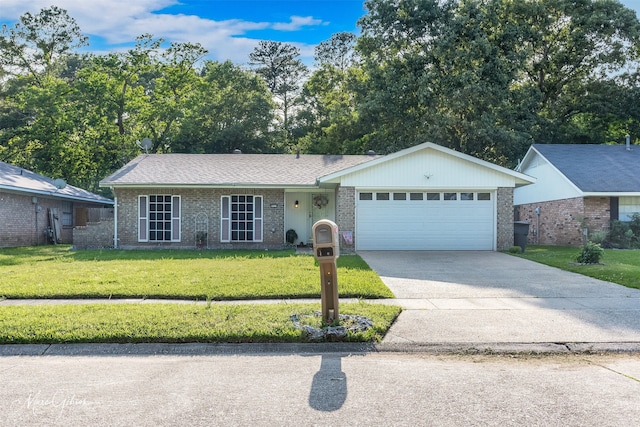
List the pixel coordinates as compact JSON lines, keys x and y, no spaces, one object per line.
{"x":296,"y":205}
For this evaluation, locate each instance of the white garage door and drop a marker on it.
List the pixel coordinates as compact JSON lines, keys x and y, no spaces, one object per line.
{"x":447,"y":220}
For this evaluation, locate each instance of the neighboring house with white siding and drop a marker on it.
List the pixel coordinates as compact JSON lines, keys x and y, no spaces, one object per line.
{"x":577,"y":186}
{"x":28,"y":201}
{"x":426,"y":197}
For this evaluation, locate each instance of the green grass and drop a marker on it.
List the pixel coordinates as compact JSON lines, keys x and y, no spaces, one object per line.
{"x":175,"y":323}
{"x":58,"y":272}
{"x":617,"y":266}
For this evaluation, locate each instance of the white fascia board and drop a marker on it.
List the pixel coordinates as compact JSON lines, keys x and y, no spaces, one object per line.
{"x":610,"y":194}
{"x":208,"y":186}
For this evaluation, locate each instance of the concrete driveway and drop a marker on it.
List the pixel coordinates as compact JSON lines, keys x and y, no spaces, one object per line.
{"x":490,"y":298}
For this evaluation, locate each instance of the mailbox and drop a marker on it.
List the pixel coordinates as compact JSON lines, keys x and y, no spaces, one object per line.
{"x":326,"y":249}
{"x":326,"y":242}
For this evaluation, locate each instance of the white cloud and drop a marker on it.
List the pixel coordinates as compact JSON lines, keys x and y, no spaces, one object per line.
{"x":297,"y":23}
{"x":121,"y":21}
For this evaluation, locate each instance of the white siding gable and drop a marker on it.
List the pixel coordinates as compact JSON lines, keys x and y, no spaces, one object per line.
{"x":550,"y":183}
{"x":427,"y":168}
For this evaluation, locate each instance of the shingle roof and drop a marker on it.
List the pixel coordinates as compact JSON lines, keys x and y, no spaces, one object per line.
{"x":596,"y":168}
{"x":13,"y":178}
{"x":230,"y":169}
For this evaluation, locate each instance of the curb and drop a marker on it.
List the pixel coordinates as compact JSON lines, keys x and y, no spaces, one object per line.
{"x":215,"y":349}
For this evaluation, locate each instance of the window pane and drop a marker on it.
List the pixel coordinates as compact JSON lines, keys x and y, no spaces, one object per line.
{"x":399,"y":196}
{"x":366,"y":196}
{"x":382,"y":196}
{"x":466,"y":196}
{"x":450,"y":196}
{"x":416,"y":196}
{"x":245,"y":217}
{"x":433,"y":196}
{"x":484,"y":196}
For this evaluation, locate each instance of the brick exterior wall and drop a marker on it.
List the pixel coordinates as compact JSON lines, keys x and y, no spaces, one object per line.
{"x":346,"y":215}
{"x":504,"y":218}
{"x":94,"y":235}
{"x":24,"y":223}
{"x":561,"y":222}
{"x":193,"y":203}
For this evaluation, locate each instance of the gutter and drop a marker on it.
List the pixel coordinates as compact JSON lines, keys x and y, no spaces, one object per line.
{"x":56,"y":194}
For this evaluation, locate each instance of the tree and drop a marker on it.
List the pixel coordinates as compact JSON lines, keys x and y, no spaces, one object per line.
{"x":338,"y":51}
{"x":486,"y":77}
{"x":329,"y":121}
{"x":230,"y":108}
{"x":278,"y":64}
{"x":37,"y":43}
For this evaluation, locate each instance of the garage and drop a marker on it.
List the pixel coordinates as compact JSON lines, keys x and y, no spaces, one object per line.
{"x":430,"y":220}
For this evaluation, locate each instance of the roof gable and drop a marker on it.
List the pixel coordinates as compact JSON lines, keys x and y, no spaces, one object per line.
{"x":13,"y":178}
{"x":436,"y":166}
{"x":592,"y":168}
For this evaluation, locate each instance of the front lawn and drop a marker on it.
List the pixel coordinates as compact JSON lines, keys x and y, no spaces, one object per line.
{"x":58,"y":272}
{"x":175,"y":323}
{"x":617,"y":266}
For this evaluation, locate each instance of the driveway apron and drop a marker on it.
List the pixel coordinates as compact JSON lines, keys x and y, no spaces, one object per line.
{"x":492,"y":297}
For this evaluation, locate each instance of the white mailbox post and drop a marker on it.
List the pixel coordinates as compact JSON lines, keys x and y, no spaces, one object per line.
{"x":326,"y":249}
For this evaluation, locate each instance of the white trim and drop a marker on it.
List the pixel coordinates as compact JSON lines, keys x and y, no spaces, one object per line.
{"x":115,"y":221}
{"x":143,"y":219}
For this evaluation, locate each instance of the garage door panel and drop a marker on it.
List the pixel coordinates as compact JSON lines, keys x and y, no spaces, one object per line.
{"x":425,"y":225}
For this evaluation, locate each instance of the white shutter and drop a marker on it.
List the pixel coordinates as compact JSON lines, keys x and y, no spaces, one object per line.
{"x":225,"y":219}
{"x":175,"y":218}
{"x":143,"y":216}
{"x":257,"y":218}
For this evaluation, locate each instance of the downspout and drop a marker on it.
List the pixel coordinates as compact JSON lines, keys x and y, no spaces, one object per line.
{"x":115,"y":220}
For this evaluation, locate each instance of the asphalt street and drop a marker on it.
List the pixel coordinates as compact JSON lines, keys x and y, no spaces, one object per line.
{"x":333,"y":388}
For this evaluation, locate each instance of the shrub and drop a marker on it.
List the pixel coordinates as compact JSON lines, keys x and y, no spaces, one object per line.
{"x":515,"y":250}
{"x":598,"y":236}
{"x":590,"y":254}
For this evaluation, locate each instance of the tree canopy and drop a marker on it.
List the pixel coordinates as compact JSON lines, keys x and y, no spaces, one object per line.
{"x":485,"y":77}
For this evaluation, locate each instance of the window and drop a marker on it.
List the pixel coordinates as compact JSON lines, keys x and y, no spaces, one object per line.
{"x":67,"y":214}
{"x":382,"y":196}
{"x":416,"y":196}
{"x":450,"y":196}
{"x":433,"y":196}
{"x":399,"y":196}
{"x":159,"y":218}
{"x":627,"y":206}
{"x":466,"y":196}
{"x":484,"y":196}
{"x":241,"y":219}
{"x":366,"y":196}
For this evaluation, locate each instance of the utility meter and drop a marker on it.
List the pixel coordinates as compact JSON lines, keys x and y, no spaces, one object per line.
{"x":326,"y":249}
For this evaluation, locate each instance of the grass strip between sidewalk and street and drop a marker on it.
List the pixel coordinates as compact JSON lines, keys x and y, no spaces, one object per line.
{"x":620,"y":266}
{"x":177,"y":323}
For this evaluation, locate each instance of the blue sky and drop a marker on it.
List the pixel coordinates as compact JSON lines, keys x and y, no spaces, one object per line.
{"x":229,"y":30}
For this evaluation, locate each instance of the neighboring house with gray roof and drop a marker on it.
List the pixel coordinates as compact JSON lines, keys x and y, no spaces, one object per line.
{"x":577,"y":186}
{"x":423,"y":197}
{"x":26,"y":198}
